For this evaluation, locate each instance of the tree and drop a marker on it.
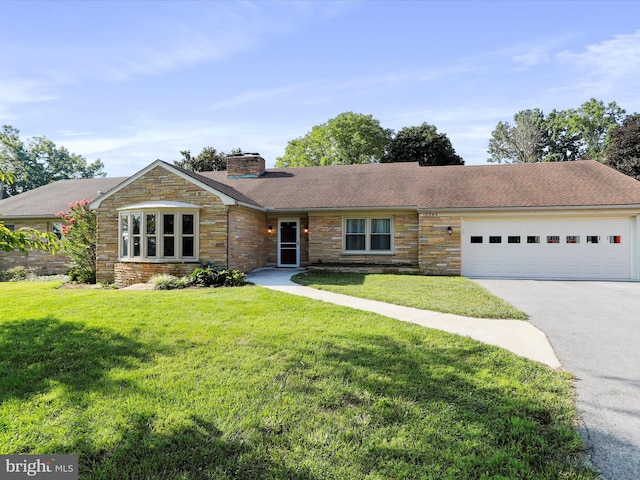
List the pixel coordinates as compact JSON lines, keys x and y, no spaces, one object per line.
{"x":24,"y":239}
{"x":422,"y":144}
{"x":79,"y":241}
{"x":592,"y":122}
{"x":564,"y":143}
{"x":519,"y":143}
{"x":349,"y":138}
{"x":39,"y":162}
{"x":623,"y":150}
{"x":209,"y":160}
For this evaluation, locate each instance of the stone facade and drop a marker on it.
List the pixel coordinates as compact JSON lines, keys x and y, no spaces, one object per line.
{"x":325,"y":242}
{"x":245,"y":166}
{"x":249,"y":239}
{"x":440,"y":253}
{"x":42,"y":263}
{"x":159,"y":184}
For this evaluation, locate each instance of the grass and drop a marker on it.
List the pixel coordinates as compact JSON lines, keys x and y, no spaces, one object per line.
{"x":247,"y":383}
{"x":457,"y":295}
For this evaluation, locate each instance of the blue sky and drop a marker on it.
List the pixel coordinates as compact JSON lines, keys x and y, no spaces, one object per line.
{"x":131,"y":82}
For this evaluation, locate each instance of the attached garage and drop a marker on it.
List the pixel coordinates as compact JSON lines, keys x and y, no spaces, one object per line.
{"x":587,"y":248}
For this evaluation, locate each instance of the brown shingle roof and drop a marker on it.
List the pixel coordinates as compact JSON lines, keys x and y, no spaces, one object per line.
{"x":50,"y":199}
{"x":392,"y":185}
{"x":583,"y":183}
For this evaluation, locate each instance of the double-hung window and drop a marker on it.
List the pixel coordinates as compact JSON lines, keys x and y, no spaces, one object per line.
{"x":368,"y":235}
{"x":165,"y":231}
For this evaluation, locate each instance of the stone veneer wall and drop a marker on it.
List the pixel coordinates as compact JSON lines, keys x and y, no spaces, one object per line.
{"x":249,"y":239}
{"x":159,"y":184}
{"x":128,"y":273}
{"x":325,"y":242}
{"x":440,"y":253}
{"x":42,"y":263}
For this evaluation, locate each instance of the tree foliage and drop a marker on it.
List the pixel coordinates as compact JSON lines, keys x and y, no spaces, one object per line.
{"x":349,"y":138}
{"x":623,"y":150}
{"x":39,"y":162}
{"x":563,"y":135}
{"x":79,"y":240}
{"x":422,"y":144}
{"x":521,"y":142}
{"x":208,"y":160}
{"x":24,"y":239}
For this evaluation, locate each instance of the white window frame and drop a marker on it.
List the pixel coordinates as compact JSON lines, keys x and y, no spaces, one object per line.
{"x":367,"y":235}
{"x":159,"y":235}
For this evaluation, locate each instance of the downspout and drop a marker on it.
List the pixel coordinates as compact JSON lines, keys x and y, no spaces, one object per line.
{"x":228,"y":238}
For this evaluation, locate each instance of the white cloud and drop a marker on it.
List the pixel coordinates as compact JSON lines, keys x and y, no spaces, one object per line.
{"x":617,"y":57}
{"x":532,"y":58}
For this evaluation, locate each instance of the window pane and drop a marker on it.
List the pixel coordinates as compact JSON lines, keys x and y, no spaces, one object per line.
{"x":187,"y":224}
{"x":355,"y":242}
{"x":553,"y":239}
{"x":151,"y":224}
{"x":476,"y":239}
{"x":380,"y":242}
{"x":513,"y":239}
{"x":125,"y":246}
{"x":168,"y":250}
{"x":495,"y":239}
{"x":125,"y":224}
{"x":615,"y":239}
{"x":356,"y":225}
{"x":151,"y":246}
{"x":135,"y":223}
{"x":136,"y":246}
{"x":593,"y":239}
{"x":168,"y":222}
{"x":573,"y":239}
{"x":380,"y":225}
{"x":533,"y":239}
{"x":187,"y":247}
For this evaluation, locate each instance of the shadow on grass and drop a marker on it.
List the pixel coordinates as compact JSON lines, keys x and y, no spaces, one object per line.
{"x":34,"y":354}
{"x":326,"y":277}
{"x":455,"y":420}
{"x":194,"y":450}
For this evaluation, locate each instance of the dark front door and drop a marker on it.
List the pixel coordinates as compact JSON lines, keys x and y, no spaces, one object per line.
{"x":288,"y":240}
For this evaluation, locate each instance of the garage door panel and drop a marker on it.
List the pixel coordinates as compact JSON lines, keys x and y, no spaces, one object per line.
{"x":583,"y":251}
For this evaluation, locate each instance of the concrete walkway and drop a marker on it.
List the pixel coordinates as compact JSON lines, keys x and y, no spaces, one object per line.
{"x":517,"y":336}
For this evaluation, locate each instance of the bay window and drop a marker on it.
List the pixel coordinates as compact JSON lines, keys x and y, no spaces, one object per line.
{"x":157,"y":232}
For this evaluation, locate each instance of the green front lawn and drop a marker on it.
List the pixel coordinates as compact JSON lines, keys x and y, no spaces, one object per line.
{"x":248,"y":383}
{"x":457,"y":295}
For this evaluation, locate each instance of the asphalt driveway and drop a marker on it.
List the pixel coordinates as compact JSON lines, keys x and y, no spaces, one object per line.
{"x":594,"y":328}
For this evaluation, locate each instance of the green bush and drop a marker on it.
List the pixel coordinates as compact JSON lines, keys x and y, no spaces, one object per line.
{"x":82,"y":275}
{"x":18,"y":273}
{"x":164,"y":281}
{"x":211,"y":276}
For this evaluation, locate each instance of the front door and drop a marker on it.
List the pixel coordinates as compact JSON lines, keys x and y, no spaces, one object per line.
{"x":288,"y":242}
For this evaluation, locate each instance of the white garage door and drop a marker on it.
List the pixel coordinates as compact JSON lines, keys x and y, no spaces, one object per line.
{"x":547,"y":248}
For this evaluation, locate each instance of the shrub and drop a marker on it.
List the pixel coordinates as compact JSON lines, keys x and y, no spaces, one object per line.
{"x":79,"y":240}
{"x":18,"y":273}
{"x":82,"y":275}
{"x":164,"y":281}
{"x":211,"y":276}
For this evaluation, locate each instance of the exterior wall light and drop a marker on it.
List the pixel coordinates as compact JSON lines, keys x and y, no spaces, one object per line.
{"x":306,"y":229}
{"x":269,"y":229}
{"x":449,"y":230}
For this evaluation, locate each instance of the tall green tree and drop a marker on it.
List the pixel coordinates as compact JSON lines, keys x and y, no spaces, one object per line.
{"x":349,"y":138}
{"x":623,"y":149}
{"x":592,"y":122}
{"x":422,"y":144}
{"x":522,"y":142}
{"x":39,"y":162}
{"x":208,"y":160}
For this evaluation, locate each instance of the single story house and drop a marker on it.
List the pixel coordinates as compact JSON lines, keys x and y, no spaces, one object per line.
{"x":569,"y":220}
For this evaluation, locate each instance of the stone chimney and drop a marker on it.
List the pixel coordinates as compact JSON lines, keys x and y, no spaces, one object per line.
{"x":245,"y":165}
